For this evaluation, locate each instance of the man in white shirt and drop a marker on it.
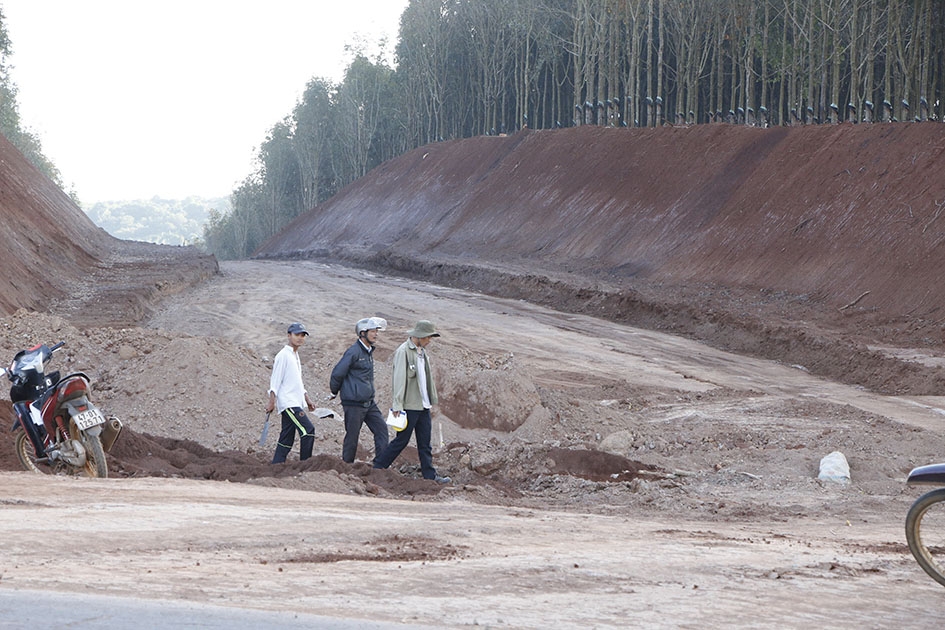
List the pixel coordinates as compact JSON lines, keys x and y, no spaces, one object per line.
{"x":287,"y":394}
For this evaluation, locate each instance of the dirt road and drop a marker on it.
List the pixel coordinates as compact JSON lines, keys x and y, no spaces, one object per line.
{"x":246,"y":546}
{"x":729,"y":528}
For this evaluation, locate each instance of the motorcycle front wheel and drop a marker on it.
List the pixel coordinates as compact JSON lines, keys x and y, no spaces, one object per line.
{"x":925,"y":533}
{"x":25,"y":452}
{"x":95,"y":464}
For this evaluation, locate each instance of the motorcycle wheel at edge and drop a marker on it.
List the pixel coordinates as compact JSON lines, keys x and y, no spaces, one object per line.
{"x":25,"y":452}
{"x":925,"y":533}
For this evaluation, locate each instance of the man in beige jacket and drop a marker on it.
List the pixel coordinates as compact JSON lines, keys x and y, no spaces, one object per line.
{"x":414,"y":393}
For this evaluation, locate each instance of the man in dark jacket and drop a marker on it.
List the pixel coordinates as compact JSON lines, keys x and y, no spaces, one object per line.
{"x":353,"y":377}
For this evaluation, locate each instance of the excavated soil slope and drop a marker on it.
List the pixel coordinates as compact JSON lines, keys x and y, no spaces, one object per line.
{"x":47,"y":243}
{"x":54,"y":258}
{"x":827,"y":211}
{"x":578,"y":447}
{"x":793,"y":243}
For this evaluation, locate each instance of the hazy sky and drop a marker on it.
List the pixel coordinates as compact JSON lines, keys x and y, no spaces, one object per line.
{"x":140,"y":98}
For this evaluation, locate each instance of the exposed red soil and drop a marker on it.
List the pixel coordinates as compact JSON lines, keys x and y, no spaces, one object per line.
{"x":827,"y":211}
{"x":55,"y":259}
{"x":803,"y":244}
{"x":815,"y":247}
{"x":47,"y":243}
{"x":144,"y":455}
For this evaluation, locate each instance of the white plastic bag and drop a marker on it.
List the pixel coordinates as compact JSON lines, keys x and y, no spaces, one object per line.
{"x":834,"y":467}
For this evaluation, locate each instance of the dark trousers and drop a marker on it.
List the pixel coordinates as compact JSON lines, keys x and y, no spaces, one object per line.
{"x":294,"y":419}
{"x":355,"y":416}
{"x":420,"y":422}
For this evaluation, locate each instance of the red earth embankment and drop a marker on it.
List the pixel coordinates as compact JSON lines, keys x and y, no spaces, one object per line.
{"x":827,"y":211}
{"x":53,"y":257}
{"x":808,"y":245}
{"x":47,"y":243}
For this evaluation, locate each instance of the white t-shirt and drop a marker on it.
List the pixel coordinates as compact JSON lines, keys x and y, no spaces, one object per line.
{"x":286,"y":380}
{"x":422,"y":378}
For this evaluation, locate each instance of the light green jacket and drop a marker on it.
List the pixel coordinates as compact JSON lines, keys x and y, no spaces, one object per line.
{"x":406,"y":387}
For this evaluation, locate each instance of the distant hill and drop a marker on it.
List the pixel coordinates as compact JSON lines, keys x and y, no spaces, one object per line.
{"x":157,"y":220}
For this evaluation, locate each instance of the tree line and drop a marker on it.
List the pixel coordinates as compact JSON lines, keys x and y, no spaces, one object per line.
{"x":474,"y":67}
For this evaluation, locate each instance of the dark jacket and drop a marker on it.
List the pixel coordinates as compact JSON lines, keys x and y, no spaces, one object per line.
{"x":353,"y":375}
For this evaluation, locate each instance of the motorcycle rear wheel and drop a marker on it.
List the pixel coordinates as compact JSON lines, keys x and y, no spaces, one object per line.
{"x":925,"y":533}
{"x":95,"y":463}
{"x":26,"y":453}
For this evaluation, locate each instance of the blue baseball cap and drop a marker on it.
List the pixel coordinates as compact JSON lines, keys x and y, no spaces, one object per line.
{"x":297,"y":329}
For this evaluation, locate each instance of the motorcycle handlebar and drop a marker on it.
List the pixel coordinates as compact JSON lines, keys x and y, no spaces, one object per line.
{"x":57,"y":346}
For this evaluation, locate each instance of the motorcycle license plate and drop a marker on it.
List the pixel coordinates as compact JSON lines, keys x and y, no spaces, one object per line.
{"x":88,"y":419}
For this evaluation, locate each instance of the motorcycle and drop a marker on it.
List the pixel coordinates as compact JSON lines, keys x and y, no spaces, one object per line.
{"x":56,"y":428}
{"x":925,"y":522}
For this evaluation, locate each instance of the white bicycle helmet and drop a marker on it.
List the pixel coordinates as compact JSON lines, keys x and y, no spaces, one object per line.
{"x":370,"y":323}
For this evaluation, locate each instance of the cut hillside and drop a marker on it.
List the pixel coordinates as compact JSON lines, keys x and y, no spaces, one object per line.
{"x":575,"y":445}
{"x":54,"y":257}
{"x":47,"y":243}
{"x":804,"y":243}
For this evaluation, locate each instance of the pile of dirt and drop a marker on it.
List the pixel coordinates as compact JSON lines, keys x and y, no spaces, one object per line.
{"x":207,"y":392}
{"x":130,"y":281}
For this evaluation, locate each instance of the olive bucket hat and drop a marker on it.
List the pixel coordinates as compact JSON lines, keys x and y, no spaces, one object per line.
{"x":422,"y":329}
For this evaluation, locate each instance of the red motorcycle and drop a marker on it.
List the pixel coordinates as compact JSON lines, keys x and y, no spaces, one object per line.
{"x":56,"y":428}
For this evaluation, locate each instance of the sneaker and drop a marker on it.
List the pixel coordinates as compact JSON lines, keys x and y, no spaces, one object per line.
{"x":440,"y":479}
